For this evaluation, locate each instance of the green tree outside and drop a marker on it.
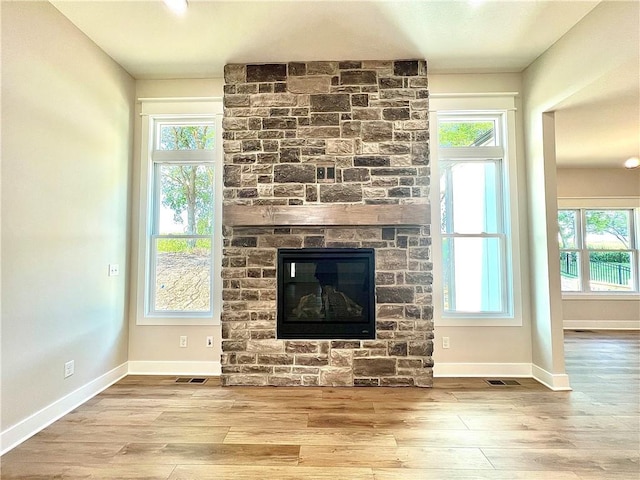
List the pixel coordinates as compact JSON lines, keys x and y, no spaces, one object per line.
{"x":567,"y":228}
{"x":612,"y":222}
{"x":463,"y":134}
{"x":188,"y":188}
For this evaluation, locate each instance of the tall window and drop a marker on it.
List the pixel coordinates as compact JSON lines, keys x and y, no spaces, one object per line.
{"x":180,"y":228}
{"x":180,"y":263}
{"x":473,"y":215}
{"x":598,"y":250}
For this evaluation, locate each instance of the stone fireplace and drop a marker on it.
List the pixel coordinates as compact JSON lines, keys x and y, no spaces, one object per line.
{"x":327,"y":155}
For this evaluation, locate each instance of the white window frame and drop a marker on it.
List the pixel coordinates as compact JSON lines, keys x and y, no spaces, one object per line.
{"x":182,"y":111}
{"x":604,"y":203}
{"x":466,"y":107}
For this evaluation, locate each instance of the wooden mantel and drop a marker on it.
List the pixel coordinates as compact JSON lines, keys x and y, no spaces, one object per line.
{"x":326,"y":215}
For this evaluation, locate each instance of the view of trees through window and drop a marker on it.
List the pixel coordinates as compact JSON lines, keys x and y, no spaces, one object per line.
{"x":596,"y":250}
{"x":465,"y":133}
{"x":183,"y":220}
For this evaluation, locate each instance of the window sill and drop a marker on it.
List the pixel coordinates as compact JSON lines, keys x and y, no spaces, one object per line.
{"x":179,"y":321}
{"x":478,"y":322}
{"x":601,"y":296}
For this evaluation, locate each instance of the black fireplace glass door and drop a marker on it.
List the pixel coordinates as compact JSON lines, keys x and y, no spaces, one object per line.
{"x":326,"y":293}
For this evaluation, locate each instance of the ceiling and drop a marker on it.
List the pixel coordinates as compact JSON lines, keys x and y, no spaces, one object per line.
{"x":455,"y":36}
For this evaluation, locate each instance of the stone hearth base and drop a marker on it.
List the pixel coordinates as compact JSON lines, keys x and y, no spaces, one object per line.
{"x":401,"y":352}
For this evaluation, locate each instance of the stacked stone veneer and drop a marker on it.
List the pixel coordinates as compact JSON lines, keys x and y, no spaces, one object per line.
{"x":369,"y":120}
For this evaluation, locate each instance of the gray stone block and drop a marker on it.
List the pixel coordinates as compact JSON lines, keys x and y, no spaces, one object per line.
{"x":340,"y":193}
{"x":275,"y":359}
{"x":295,"y":346}
{"x":313,"y":242}
{"x":319,"y":132}
{"x":393,"y":172}
{"x":398,"y":349}
{"x":322,"y":68}
{"x":260,"y":257}
{"x":233,"y":346}
{"x":235,"y":73}
{"x":374,"y":367}
{"x":269,"y":72}
{"x":324,"y":119}
{"x":311,"y":360}
{"x":290,"y":173}
{"x":359,"y":100}
{"x":377,"y":131}
{"x":355,"y":175}
{"x":351,"y":129}
{"x":403,"y":68}
{"x":390,"y":82}
{"x":279,"y":123}
{"x":244,"y":242}
{"x":400,"y":192}
{"x":371,"y":161}
{"x":338,"y":102}
{"x":358,"y":77}
{"x":395,"y":294}
{"x":309,"y":84}
{"x":336,"y":377}
{"x":366,"y":382}
{"x":232,"y":175}
{"x":297,"y":68}
{"x":395,"y":113}
{"x":237,"y":100}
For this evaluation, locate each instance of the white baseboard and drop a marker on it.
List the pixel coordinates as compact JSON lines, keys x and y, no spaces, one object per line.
{"x":31,"y":425}
{"x":554,"y":381}
{"x":489,"y":370}
{"x":174,"y":368}
{"x":601,"y":324}
{"x":28,"y":427}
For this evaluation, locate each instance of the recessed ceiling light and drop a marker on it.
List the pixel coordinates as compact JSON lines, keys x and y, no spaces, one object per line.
{"x":176,"y":6}
{"x":633,"y":162}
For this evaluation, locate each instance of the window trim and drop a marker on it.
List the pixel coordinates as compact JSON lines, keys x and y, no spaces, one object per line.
{"x":479,"y":105}
{"x":605,"y":203}
{"x":180,"y":110}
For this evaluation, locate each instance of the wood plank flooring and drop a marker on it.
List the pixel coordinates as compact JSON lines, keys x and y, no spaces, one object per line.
{"x":153,"y":428}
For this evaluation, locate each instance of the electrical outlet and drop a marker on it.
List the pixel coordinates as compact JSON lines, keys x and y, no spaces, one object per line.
{"x":209,"y":341}
{"x":69,"y":368}
{"x":114,"y":269}
{"x":183,"y":341}
{"x":445,"y":342}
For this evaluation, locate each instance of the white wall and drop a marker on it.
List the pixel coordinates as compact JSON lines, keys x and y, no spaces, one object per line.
{"x":155,"y":349}
{"x":488,"y":350}
{"x":579,"y":59}
{"x":598,"y":183}
{"x":67,"y":113}
{"x":590,"y":187}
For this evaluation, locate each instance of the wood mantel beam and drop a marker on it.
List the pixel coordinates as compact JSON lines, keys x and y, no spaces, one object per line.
{"x":326,"y":215}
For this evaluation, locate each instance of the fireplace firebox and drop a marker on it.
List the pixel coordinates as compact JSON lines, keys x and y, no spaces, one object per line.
{"x":326,"y":293}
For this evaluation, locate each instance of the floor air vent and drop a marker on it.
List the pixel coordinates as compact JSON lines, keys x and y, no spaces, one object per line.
{"x":499,"y":383}
{"x":190,"y":380}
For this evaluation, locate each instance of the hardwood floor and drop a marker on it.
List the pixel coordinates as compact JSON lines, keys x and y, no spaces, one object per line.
{"x":153,"y":428}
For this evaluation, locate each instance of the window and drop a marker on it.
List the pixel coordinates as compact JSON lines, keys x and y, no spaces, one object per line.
{"x":476,"y":282}
{"x":598,"y":250}
{"x":180,"y":237}
{"x":182,"y":225}
{"x":474,"y":239}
